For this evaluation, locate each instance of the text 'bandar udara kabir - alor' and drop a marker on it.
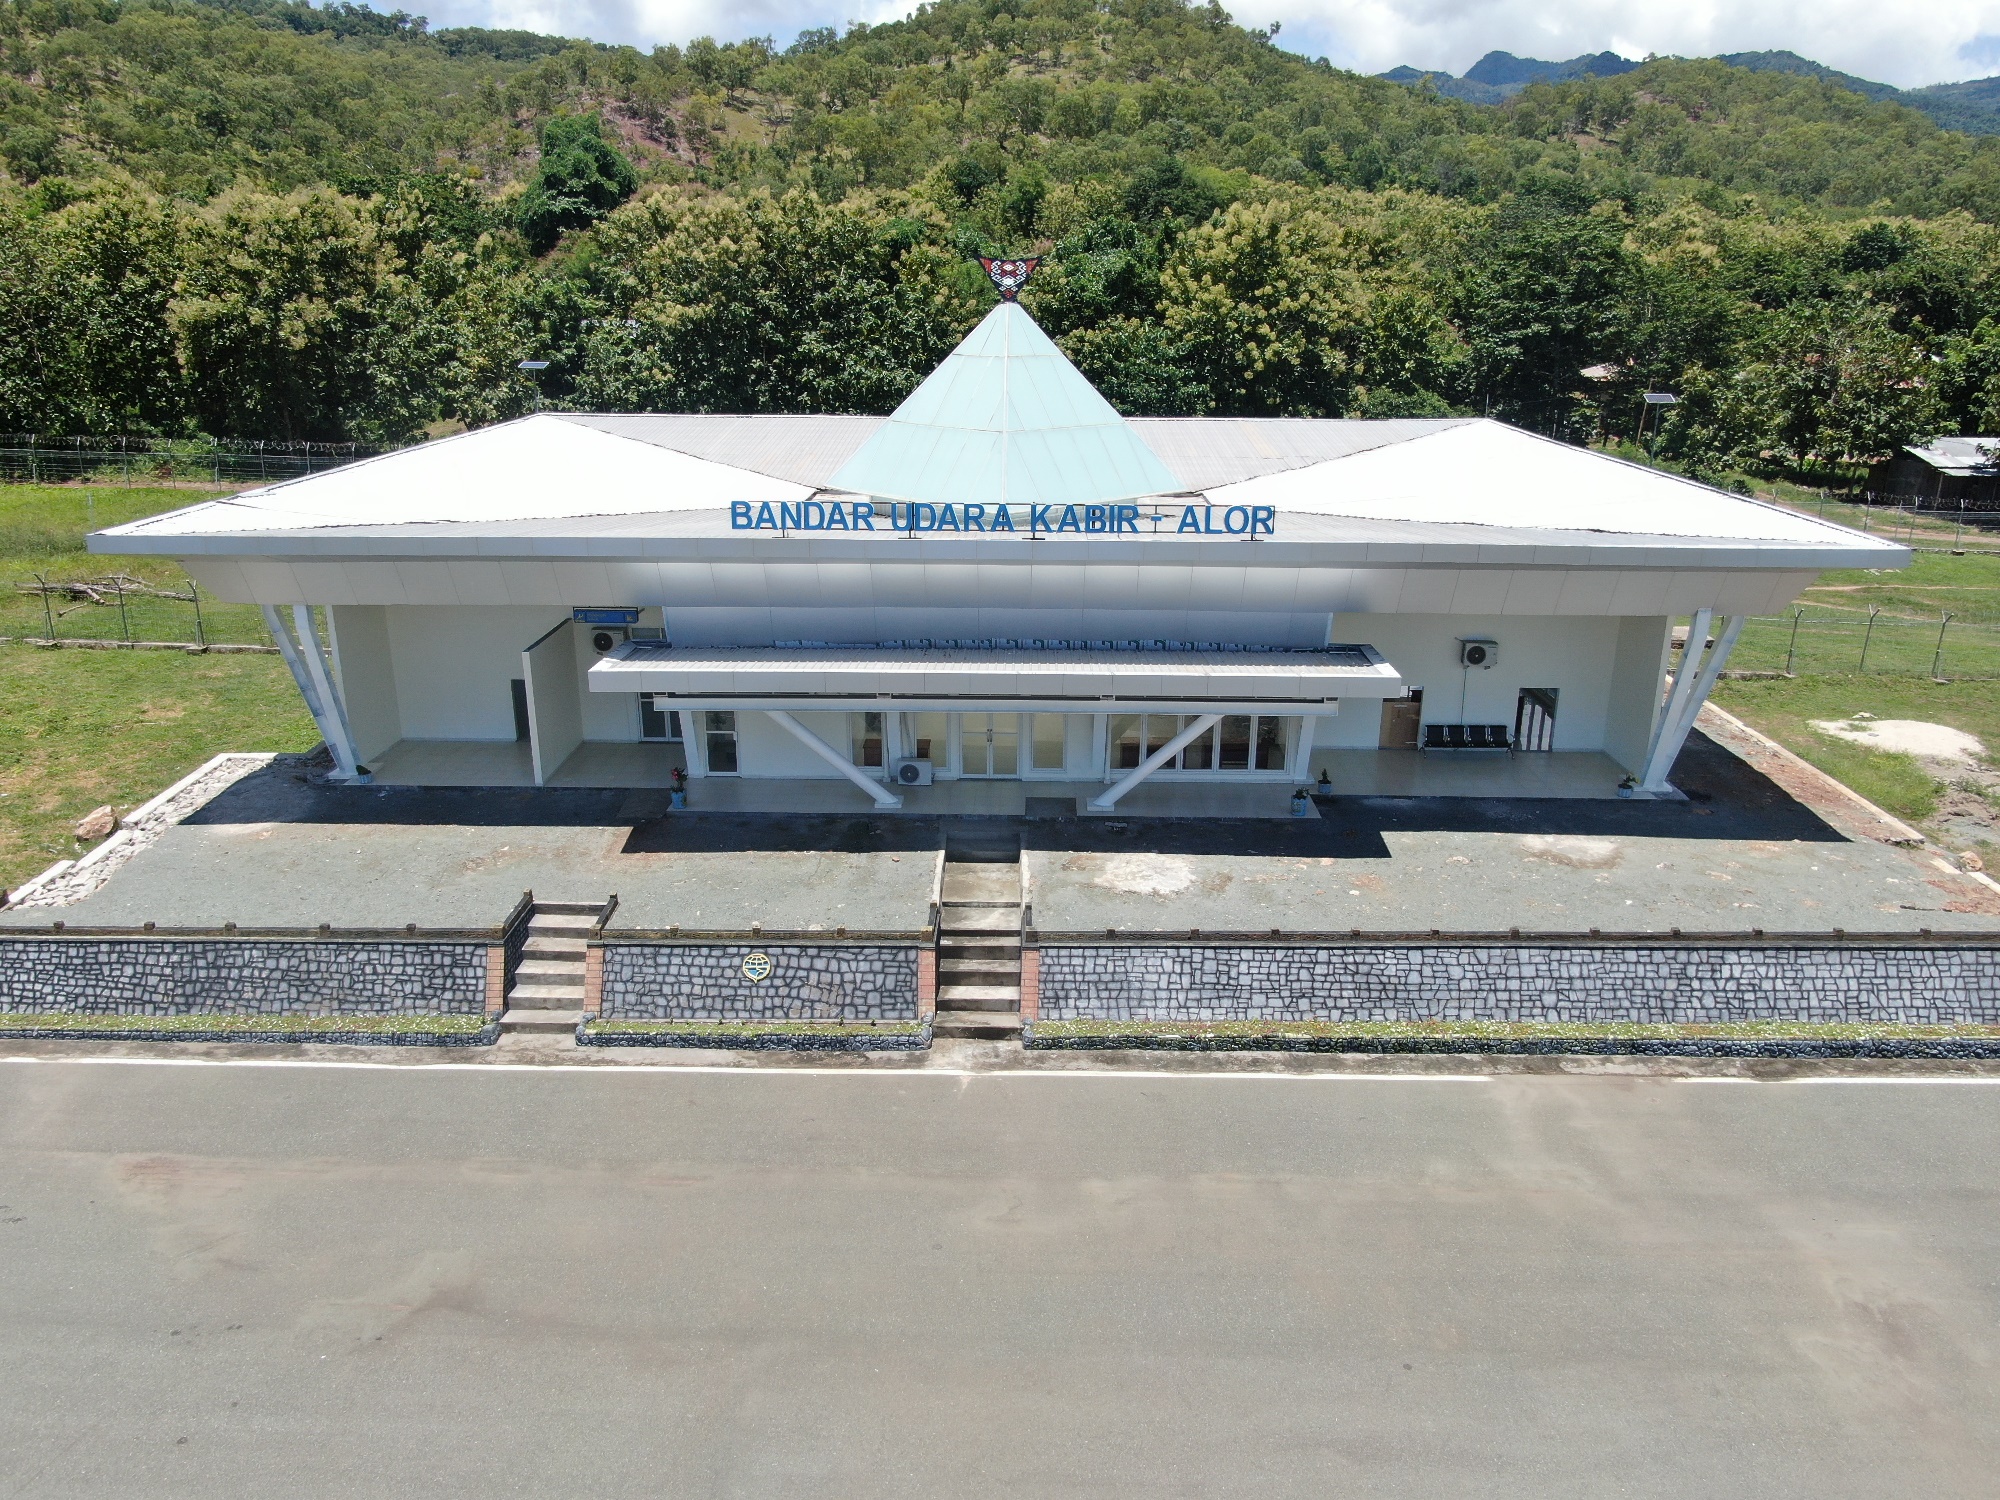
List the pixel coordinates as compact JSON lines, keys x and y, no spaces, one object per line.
{"x":1003,"y":580}
{"x":1034,"y":520}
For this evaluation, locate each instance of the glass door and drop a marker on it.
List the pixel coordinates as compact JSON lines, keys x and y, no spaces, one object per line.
{"x":989,"y":744}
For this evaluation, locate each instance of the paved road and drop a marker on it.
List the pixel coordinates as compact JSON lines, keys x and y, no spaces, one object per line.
{"x":254,"y":1281}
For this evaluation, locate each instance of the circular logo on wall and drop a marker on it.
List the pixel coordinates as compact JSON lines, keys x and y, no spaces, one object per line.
{"x":756,"y":966}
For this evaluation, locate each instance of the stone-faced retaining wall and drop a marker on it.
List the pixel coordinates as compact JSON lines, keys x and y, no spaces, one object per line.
{"x":668,"y":981}
{"x":170,"y":976}
{"x":1669,"y":983}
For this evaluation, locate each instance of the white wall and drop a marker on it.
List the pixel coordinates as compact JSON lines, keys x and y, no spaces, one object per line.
{"x":1575,"y":656}
{"x":454,"y":664}
{"x":364,"y":666}
{"x":1638,"y":680}
{"x":606,"y":716}
{"x":764,"y":748}
{"x":555,"y":713}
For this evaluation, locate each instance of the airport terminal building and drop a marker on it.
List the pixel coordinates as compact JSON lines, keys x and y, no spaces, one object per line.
{"x":1003,"y":588}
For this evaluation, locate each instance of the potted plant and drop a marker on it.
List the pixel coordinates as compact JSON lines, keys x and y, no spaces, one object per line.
{"x":677,"y":796}
{"x":1628,"y":787}
{"x":1302,"y":802}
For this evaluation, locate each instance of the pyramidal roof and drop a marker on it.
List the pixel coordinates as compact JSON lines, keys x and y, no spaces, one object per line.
{"x":1006,"y":418}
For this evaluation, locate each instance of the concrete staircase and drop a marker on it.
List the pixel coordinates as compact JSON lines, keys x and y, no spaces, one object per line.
{"x":547,"y":992}
{"x":979,"y":940}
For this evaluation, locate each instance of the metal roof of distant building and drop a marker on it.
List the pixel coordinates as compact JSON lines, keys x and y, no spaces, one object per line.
{"x":1961,"y":457}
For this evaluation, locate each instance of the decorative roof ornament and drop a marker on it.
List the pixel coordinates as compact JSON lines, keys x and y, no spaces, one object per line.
{"x":1009,"y":276}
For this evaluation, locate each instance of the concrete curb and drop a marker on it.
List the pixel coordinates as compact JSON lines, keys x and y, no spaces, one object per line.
{"x":760,"y":1041}
{"x":486,"y":1036}
{"x":1470,"y":1045}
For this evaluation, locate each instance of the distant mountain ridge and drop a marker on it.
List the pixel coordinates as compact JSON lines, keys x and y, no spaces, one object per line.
{"x":1972,"y":106}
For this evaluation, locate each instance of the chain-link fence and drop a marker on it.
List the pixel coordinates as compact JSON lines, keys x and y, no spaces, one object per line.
{"x":120,"y":610}
{"x":1951,"y":528}
{"x":32,"y":458}
{"x":1809,"y":642}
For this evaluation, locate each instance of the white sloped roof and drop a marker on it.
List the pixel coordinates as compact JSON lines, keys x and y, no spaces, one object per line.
{"x":557,"y":479}
{"x":1489,"y":474}
{"x":533,"y":469}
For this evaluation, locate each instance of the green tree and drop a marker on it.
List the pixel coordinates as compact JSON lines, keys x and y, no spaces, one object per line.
{"x":582,"y":178}
{"x":1970,"y":380}
{"x":1267,"y":308}
{"x":1539,"y":298}
{"x":768,"y":305}
{"x":1824,"y":386}
{"x":84,"y":293}
{"x":295,"y":320}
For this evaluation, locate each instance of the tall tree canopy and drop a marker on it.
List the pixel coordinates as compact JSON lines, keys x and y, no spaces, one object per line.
{"x":263,"y":218}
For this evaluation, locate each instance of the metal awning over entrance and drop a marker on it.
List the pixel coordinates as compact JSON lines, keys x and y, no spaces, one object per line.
{"x":1102,"y":677}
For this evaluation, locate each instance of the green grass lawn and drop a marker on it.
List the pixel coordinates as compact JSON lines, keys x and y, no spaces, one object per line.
{"x":79,"y":728}
{"x":82,"y":728}
{"x":42,"y":528}
{"x":1902,"y":650}
{"x":1786,"y":708}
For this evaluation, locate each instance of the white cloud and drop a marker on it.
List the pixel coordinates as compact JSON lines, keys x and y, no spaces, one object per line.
{"x":1904,"y":42}
{"x":644,"y":23}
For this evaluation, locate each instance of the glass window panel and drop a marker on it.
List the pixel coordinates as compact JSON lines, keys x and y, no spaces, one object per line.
{"x":1126,"y":730}
{"x":1159,"y":729}
{"x":1198,"y":754}
{"x":1270,"y":744}
{"x":1048,"y":732}
{"x":1235,"y":736}
{"x":1006,"y":742}
{"x":926,"y":734}
{"x":721,"y":736}
{"x":866,"y":733}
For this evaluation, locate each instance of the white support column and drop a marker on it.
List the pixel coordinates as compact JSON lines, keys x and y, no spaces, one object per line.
{"x":882,"y":795}
{"x":1700,"y":681}
{"x":694,"y":739}
{"x":1301,"y":768}
{"x":1677,"y":696}
{"x":313,"y":685}
{"x":315,"y":656}
{"x":1107,"y":799}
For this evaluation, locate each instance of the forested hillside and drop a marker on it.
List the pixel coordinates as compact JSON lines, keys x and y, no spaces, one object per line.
{"x":265,"y":219}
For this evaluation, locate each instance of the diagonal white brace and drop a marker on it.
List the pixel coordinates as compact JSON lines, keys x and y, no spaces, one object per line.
{"x":1701,"y":683}
{"x":1677,"y":696}
{"x":1107,"y":799}
{"x":882,"y":795}
{"x":332,"y":726}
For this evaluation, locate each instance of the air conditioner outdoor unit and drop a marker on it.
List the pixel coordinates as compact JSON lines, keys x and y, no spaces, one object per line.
{"x":607,"y":637}
{"x":912,"y":772}
{"x":1478,"y":653}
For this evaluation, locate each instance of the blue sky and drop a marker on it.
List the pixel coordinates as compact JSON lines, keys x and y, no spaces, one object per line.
{"x":1904,"y":42}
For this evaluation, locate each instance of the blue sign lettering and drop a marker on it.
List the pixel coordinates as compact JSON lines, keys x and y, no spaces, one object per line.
{"x":917,"y":516}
